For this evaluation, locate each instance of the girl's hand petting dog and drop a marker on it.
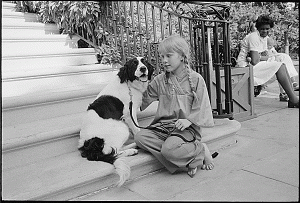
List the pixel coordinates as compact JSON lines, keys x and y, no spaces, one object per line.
{"x":182,"y":124}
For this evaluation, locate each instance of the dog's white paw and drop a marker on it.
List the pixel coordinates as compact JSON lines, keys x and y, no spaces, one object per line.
{"x":128,"y":152}
{"x":133,"y":152}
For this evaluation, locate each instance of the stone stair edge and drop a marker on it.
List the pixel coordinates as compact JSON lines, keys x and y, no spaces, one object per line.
{"x":8,"y":4}
{"x":56,"y":71}
{"x":65,"y":126}
{"x":37,"y":38}
{"x":85,"y":171}
{"x":56,"y":93}
{"x":42,"y":98}
{"x":222,"y":127}
{"x":99,"y":173}
{"x":23,"y":24}
{"x":59,"y":52}
{"x":24,"y":17}
{"x":9,"y":13}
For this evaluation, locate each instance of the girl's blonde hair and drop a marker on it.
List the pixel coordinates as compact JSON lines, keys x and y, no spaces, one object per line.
{"x":176,"y":43}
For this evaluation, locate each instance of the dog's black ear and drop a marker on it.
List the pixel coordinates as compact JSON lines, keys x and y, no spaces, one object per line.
{"x":123,"y":75}
{"x":92,"y":149}
{"x":127,"y":71}
{"x":150,"y":68}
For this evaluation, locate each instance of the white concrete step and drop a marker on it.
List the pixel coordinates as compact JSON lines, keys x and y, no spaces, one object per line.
{"x":42,"y":112}
{"x":32,"y":51}
{"x":27,"y":50}
{"x":45,"y":138}
{"x":8,"y":14}
{"x":52,"y":42}
{"x":47,"y":29}
{"x":34,"y":97}
{"x":47,"y":109}
{"x":69,"y":176}
{"x":31,"y":27}
{"x":8,"y":36}
{"x":54,"y":58}
{"x":6,"y":5}
{"x":9,"y":22}
{"x":55,"y":71}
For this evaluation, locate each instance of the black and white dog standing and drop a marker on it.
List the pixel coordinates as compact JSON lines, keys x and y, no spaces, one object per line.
{"x":107,"y":123}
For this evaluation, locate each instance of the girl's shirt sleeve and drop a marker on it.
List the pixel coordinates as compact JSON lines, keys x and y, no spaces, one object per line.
{"x":201,"y":112}
{"x":150,"y":95}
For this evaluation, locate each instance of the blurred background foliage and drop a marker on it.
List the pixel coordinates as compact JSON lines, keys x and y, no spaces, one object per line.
{"x":70,"y":14}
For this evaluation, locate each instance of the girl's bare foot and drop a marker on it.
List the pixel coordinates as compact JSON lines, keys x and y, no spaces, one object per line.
{"x":208,"y":160}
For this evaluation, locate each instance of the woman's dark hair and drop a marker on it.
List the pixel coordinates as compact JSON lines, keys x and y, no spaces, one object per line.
{"x":264,"y":20}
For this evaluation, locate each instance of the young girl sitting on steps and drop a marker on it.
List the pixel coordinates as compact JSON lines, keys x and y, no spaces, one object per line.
{"x":174,"y":136}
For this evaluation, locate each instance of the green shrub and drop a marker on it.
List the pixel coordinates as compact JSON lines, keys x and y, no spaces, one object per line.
{"x":84,"y":16}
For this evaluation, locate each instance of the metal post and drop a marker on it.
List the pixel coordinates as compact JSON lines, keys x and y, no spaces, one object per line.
{"x":217,"y":70}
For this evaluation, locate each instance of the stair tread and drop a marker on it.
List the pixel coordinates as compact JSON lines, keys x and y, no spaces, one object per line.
{"x":7,"y":12}
{"x":27,"y":133}
{"x":42,"y":52}
{"x":6,"y":37}
{"x":67,"y":171}
{"x":8,"y":4}
{"x":26,"y":32}
{"x":53,"y":90}
{"x":70,"y":170}
{"x":18,"y":23}
{"x":56,"y":70}
{"x":58,"y":173}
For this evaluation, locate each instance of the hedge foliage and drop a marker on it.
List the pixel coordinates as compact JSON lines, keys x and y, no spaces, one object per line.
{"x":70,"y":14}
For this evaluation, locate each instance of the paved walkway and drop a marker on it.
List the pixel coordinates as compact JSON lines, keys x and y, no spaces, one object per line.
{"x":263,"y":166}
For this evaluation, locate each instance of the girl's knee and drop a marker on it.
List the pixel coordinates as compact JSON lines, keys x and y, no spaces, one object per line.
{"x":171,"y":147}
{"x":143,"y":136}
{"x":167,"y":153}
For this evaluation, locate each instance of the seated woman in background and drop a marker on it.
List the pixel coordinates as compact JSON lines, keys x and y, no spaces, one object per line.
{"x":256,"y":44}
{"x":286,"y":59}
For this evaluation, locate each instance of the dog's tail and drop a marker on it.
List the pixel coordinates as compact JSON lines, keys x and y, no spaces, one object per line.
{"x":122,"y":169}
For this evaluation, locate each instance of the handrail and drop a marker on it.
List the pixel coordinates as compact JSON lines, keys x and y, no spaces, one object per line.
{"x":136,"y":28}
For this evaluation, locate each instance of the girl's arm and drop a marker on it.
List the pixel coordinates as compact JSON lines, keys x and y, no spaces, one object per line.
{"x":201,"y":111}
{"x":150,"y":95}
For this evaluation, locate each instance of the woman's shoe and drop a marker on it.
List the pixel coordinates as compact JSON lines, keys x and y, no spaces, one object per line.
{"x":293,"y":105}
{"x":283,"y":97}
{"x":192,"y":172}
{"x":257,"y":90}
{"x":295,"y":86}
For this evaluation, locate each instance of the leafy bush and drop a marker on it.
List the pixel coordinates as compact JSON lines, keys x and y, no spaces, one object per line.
{"x":72,"y":17}
{"x":286,"y":20}
{"x":86,"y":17}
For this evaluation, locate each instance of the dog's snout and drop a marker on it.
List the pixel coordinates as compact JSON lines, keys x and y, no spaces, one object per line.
{"x":143,"y":69}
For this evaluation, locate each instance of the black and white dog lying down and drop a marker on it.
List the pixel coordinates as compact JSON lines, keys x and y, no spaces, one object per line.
{"x":107,"y":123}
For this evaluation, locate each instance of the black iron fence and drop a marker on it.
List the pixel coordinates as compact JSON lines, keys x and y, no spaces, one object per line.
{"x":136,"y":28}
